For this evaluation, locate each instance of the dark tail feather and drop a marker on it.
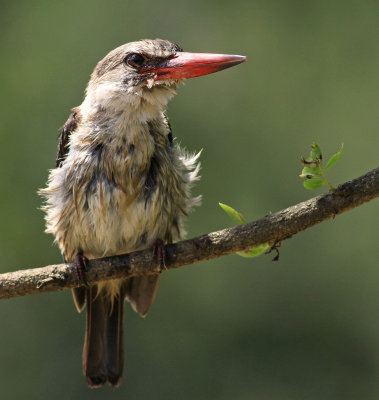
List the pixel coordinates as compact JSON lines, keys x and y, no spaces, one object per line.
{"x":103,"y":345}
{"x":115,"y":343}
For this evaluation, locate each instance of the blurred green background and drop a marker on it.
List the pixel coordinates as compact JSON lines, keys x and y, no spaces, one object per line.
{"x":306,"y":327}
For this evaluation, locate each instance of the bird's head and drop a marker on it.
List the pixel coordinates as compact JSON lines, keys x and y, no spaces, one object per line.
{"x":147,"y":72}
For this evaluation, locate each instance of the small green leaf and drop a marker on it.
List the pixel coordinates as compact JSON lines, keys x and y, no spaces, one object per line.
{"x":308,"y":162}
{"x":313,"y":184}
{"x":334,"y":158}
{"x":310,"y":171}
{"x":316,"y":152}
{"x":232,"y":213}
{"x":255,"y":251}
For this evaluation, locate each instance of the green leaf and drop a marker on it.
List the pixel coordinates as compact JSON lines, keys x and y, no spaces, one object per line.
{"x":308,"y":162}
{"x":313,"y":184}
{"x":232,"y":213}
{"x":334,"y":158}
{"x":308,"y":172}
{"x":316,"y":152}
{"x":255,"y":251}
{"x":311,"y":170}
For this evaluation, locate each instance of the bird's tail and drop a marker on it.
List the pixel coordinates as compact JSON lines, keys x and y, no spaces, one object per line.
{"x":103,"y":344}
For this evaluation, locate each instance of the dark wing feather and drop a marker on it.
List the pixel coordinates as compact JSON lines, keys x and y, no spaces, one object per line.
{"x":70,"y":125}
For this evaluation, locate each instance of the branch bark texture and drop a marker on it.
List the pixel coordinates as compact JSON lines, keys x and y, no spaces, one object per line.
{"x":273,"y":228}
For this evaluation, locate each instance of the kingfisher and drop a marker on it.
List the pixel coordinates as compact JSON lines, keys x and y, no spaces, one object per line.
{"x":122,"y":184}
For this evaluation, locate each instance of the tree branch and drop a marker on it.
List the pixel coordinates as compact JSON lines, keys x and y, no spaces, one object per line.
{"x":273,"y":228}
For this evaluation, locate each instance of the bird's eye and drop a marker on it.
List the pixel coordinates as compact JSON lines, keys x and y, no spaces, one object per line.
{"x":135,"y":60}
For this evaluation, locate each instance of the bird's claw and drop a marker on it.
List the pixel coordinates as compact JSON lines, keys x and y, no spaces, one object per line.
{"x":159,"y":250}
{"x":80,"y":263}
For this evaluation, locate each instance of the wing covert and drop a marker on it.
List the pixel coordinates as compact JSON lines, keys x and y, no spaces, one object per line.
{"x":70,"y":125}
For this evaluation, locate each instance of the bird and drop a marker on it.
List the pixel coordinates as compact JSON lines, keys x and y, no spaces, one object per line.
{"x":121,"y":183}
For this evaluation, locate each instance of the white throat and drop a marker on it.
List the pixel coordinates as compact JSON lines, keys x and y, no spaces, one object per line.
{"x":109,"y":100}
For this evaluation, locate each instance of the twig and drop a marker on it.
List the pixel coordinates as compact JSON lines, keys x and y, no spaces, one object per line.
{"x":273,"y":228}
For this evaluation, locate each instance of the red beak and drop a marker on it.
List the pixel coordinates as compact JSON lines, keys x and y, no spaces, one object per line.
{"x":190,"y":65}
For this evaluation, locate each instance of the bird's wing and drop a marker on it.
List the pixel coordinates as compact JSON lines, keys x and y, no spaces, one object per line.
{"x":71,"y":124}
{"x":64,"y":136}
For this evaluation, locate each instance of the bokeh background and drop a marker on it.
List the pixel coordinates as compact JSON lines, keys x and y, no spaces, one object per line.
{"x":305,"y":327}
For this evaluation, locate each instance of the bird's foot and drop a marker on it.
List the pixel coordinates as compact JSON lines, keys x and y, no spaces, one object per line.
{"x":80,"y":263}
{"x":159,"y":250}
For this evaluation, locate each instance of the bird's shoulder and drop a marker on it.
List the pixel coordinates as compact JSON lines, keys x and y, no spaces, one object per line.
{"x":64,"y":136}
